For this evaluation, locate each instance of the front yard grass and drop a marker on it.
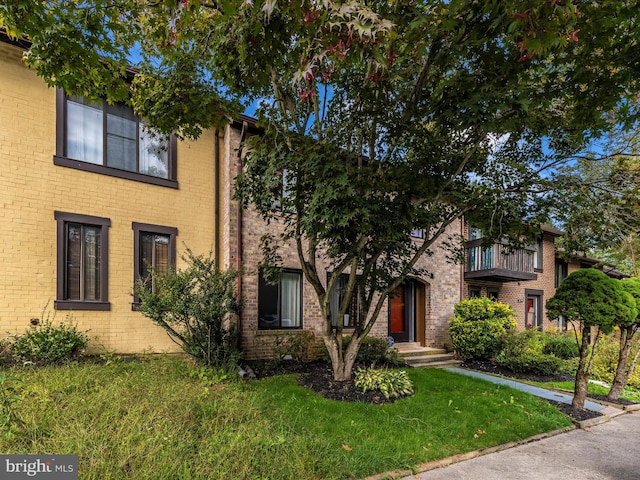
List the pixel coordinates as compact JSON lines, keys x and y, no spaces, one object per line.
{"x":149,"y":418}
{"x":629,"y":393}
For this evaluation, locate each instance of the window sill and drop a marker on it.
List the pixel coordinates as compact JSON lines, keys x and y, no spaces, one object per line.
{"x":277,"y":330}
{"x":77,"y":305}
{"x":538,"y":270}
{"x":113,"y":172}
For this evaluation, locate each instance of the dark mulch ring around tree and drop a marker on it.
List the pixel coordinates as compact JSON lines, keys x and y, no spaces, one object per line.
{"x":494,"y":367}
{"x":318,"y":376}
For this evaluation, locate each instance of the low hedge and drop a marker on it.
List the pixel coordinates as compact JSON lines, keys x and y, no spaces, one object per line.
{"x":562,"y":346}
{"x":536,"y":363}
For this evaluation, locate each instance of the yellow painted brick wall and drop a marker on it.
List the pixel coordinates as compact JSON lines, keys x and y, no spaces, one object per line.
{"x":32,"y":188}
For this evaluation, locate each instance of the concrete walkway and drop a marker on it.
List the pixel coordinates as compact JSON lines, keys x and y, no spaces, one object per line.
{"x":606,"y":451}
{"x":537,"y":391}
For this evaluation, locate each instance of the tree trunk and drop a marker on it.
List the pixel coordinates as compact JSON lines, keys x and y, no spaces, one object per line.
{"x":622,"y":373}
{"x":342,"y":361}
{"x":582,"y":375}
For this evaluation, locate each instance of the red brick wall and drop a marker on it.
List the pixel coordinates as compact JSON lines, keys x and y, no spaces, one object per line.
{"x":442,"y":291}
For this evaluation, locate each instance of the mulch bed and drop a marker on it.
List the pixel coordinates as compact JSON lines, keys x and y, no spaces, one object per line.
{"x":318,"y":376}
{"x":496,"y":368}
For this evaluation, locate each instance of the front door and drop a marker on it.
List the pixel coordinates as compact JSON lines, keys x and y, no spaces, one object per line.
{"x":533,"y":312}
{"x":402,"y":313}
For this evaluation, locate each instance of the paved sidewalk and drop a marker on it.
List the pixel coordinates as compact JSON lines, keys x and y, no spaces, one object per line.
{"x":537,"y":391}
{"x":609,"y":451}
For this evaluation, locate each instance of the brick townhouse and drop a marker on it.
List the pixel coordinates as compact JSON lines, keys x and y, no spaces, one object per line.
{"x":90,"y":197}
{"x":524,"y":279}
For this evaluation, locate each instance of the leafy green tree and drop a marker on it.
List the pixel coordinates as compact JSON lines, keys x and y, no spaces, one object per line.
{"x":599,"y":206}
{"x":628,"y":337}
{"x":589,"y":298}
{"x":385,"y":117}
{"x":194,"y":306}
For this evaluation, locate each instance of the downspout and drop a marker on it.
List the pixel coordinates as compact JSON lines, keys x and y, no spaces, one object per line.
{"x":216,"y":198}
{"x":465,"y":257}
{"x":243,"y":135}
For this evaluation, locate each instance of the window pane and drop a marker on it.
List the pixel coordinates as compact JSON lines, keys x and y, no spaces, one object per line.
{"x":290,"y":301}
{"x":146,"y":256}
{"x":267,"y":304}
{"x":121,"y":138}
{"x":154,"y":157}
{"x":337,"y":297}
{"x":161,"y":254}
{"x":92,"y":263}
{"x":73,"y":255}
{"x":84,"y":131}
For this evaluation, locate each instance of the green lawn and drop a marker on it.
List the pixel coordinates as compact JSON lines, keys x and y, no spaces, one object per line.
{"x":628,"y":393}
{"x":151,"y":419}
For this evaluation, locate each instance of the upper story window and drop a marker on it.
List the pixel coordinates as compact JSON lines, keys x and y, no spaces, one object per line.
{"x":112,"y":140}
{"x":475,"y":233}
{"x":538,"y":255}
{"x":417,"y":233}
{"x":562,"y":270}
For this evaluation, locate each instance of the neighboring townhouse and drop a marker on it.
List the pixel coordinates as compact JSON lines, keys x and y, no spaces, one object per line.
{"x":419,"y":311}
{"x":524,"y":279}
{"x":89,"y":197}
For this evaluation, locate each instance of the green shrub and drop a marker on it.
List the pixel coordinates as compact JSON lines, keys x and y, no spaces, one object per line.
{"x":376,"y":350}
{"x":479,"y":328}
{"x":605,"y":361}
{"x":47,"y":343}
{"x":569,"y":366}
{"x":562,"y":346}
{"x":606,"y":358}
{"x":523,"y":343}
{"x":373,"y":350}
{"x":536,"y":363}
{"x":193,"y":306}
{"x":300,"y":346}
{"x":392,"y":383}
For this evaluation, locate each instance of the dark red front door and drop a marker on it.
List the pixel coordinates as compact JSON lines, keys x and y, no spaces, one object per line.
{"x":398,"y":318}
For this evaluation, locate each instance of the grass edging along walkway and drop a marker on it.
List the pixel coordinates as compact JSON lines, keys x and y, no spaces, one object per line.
{"x":425,"y":467}
{"x":161,"y":418}
{"x":606,"y":411}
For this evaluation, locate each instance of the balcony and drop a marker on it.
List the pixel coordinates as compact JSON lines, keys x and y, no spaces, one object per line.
{"x":498,"y":263}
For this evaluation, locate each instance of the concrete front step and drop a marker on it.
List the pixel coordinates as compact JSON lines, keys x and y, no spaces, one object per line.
{"x":430,"y":360}
{"x":420,"y":352}
{"x":441,"y":364}
{"x":410,"y":349}
{"x":417,"y":356}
